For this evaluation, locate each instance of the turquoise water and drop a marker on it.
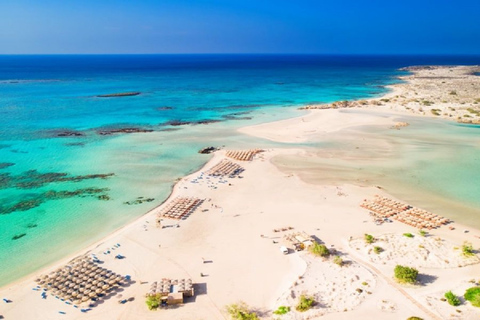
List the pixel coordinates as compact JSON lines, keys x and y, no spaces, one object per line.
{"x":51,"y":205}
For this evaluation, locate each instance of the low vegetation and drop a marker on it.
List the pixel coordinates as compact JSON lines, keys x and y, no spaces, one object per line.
{"x":452,"y":299}
{"x":453,"y":93}
{"x":153,"y":302}
{"x":435,"y":112}
{"x":241,"y":311}
{"x":305,"y":303}
{"x":467,"y":249}
{"x":319,"y":250}
{"x":414,"y":318}
{"x":369,"y":238}
{"x":377,"y":249}
{"x":422,"y":233}
{"x":282,"y":310}
{"x":473,"y":295}
{"x":404,"y":274}
{"x":408,"y":235}
{"x":338,"y":261}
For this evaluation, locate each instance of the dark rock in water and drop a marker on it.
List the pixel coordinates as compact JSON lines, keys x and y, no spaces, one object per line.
{"x":69,"y":133}
{"x":175,"y":123}
{"x":4,"y":165}
{"x":207,"y":150}
{"x":75,"y":144}
{"x":206,"y":121}
{"x":32,"y":225}
{"x":164,"y":108}
{"x":123,"y":130}
{"x":34,"y":179}
{"x":104,"y":197}
{"x":230,"y":117}
{"x":121,"y":94}
{"x":36,"y":200}
{"x":139,"y":200}
{"x":18,"y":236}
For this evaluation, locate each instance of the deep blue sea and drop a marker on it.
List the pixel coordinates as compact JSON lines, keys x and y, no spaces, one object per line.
{"x":69,"y":174}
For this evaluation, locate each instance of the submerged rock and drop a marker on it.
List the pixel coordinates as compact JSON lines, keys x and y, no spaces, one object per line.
{"x":139,"y":200}
{"x":164,"y":108}
{"x":207,"y":150}
{"x":121,"y":94}
{"x":18,"y":236}
{"x":123,"y":130}
{"x":69,"y":133}
{"x":4,"y":165}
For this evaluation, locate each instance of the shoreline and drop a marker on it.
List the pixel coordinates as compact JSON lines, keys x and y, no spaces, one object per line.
{"x":293,"y":266}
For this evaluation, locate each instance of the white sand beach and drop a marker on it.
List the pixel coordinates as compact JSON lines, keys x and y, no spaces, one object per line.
{"x":230,"y":245}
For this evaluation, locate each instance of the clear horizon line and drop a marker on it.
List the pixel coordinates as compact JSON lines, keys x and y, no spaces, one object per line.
{"x":245,"y":54}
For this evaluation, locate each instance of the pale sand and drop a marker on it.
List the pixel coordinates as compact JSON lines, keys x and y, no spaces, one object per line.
{"x":235,"y":236}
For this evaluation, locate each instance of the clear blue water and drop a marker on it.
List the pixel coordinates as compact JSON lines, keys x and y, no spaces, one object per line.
{"x":44,"y":215}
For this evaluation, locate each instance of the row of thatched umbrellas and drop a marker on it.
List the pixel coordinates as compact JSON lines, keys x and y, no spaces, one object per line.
{"x":225,"y":168}
{"x":80,"y":281}
{"x":163,"y":287}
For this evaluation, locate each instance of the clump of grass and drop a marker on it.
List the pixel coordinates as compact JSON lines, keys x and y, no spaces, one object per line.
{"x":305,"y":303}
{"x":282,"y":310}
{"x":408,"y":235}
{"x":435,"y":112}
{"x":153,"y":302}
{"x":369,"y":238}
{"x":467,"y":249}
{"x":427,"y":103}
{"x":452,"y":299}
{"x":473,"y":295}
{"x":405,"y":274}
{"x":422,"y":233}
{"x":319,"y":250}
{"x":364,"y":283}
{"x":377,"y":249}
{"x":241,"y":311}
{"x":453,"y":93}
{"x":338,"y":261}
{"x":414,"y":318}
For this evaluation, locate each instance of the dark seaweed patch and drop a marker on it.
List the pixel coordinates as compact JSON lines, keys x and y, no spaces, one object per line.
{"x":34,"y":179}
{"x":4,"y":165}
{"x":139,"y":200}
{"x":18,"y":236}
{"x":36,"y":200}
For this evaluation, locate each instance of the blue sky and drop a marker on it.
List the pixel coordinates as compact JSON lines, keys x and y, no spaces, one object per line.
{"x":243,"y":26}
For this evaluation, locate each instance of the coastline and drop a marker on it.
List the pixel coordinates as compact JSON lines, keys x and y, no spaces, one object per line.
{"x":292,"y":266}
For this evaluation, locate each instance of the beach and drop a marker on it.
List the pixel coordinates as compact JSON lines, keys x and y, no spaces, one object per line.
{"x":229,"y":246}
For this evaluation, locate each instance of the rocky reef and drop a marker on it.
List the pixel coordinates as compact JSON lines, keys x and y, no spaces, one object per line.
{"x":4,"y":165}
{"x":121,"y":94}
{"x":207,"y":150}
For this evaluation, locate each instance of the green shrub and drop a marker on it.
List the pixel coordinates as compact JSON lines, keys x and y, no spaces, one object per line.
{"x":153,"y":302}
{"x":240,"y":311}
{"x":452,"y":299}
{"x":369,"y":238}
{"x":319,"y":250}
{"x":337,"y":260}
{"x":423,"y":233}
{"x":282,"y":310}
{"x":377,"y":249}
{"x":473,"y":295}
{"x":408,"y":235}
{"x":467,"y":249}
{"x":415,"y":318}
{"x":304,"y":303}
{"x":405,"y":274}
{"x":435,"y":112}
